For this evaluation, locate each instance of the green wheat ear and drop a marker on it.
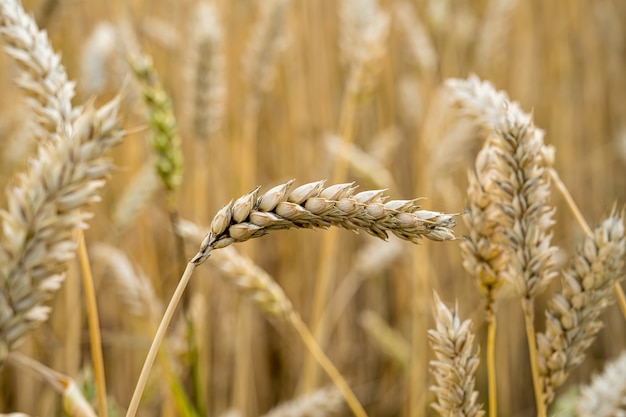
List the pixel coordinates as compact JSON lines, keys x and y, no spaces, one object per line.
{"x":165,"y":139}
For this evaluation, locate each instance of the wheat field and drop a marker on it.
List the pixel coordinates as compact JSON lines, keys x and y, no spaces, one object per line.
{"x":426,"y":146}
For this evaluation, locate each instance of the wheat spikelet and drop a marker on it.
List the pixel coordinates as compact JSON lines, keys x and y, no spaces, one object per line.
{"x":209,"y":81}
{"x":43,"y":77}
{"x":518,"y":168}
{"x":325,"y":402}
{"x":606,"y":395}
{"x":315,"y":206}
{"x":44,"y":207}
{"x":455,"y":365}
{"x":572,"y":318}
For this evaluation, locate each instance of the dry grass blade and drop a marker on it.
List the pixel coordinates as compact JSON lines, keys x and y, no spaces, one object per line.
{"x":606,"y":395}
{"x":315,"y":206}
{"x":44,"y":206}
{"x":573,"y":316}
{"x":43,"y":77}
{"x":455,"y":364}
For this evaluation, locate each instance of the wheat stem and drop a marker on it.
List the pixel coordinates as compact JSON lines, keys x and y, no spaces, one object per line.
{"x":93,"y":321}
{"x":491,"y":364}
{"x":318,"y":354}
{"x":529,"y":317}
{"x":158,"y":339}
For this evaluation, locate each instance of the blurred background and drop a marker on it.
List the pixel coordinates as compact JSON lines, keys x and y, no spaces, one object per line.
{"x":263,"y":92}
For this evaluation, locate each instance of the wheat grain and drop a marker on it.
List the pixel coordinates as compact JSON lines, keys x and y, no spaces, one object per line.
{"x":606,"y":395}
{"x":44,"y":207}
{"x":456,"y":362}
{"x":572,"y":318}
{"x":315,"y":206}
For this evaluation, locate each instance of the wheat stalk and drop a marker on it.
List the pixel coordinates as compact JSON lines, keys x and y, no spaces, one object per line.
{"x":573,"y":315}
{"x":455,"y":364}
{"x":606,"y":395}
{"x":315,"y":206}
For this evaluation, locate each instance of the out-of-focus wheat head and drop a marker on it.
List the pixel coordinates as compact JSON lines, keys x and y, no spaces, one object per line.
{"x":606,"y":395}
{"x":455,"y":365}
{"x":209,"y":84}
{"x":573,"y":315}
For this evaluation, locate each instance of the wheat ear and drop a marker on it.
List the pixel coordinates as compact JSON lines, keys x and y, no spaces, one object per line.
{"x":455,"y":364}
{"x":606,"y":395}
{"x":572,"y":318}
{"x":315,"y":206}
{"x":44,"y":207}
{"x":484,"y":257}
{"x":519,"y":171}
